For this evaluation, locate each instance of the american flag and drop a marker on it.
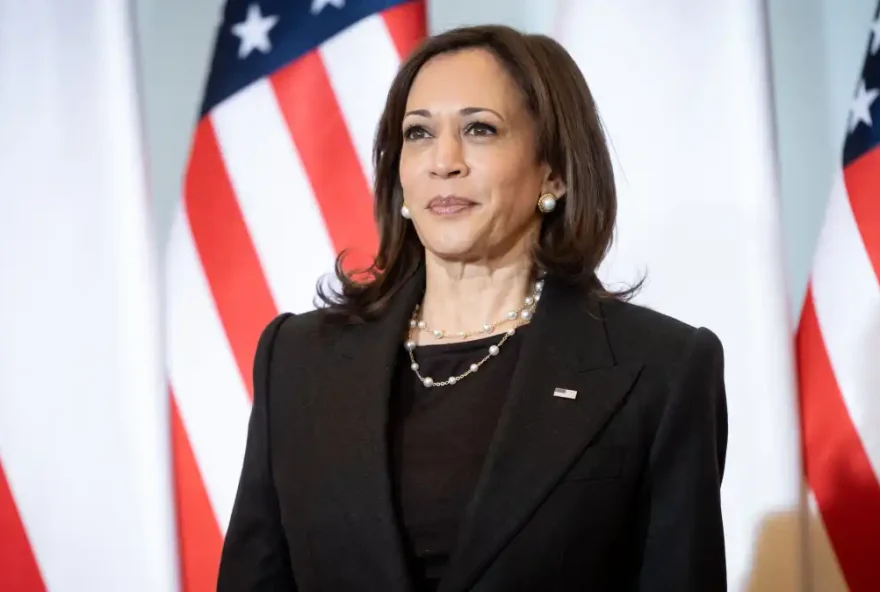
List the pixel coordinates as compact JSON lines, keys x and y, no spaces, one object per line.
{"x":838,"y":345}
{"x":278,"y":182}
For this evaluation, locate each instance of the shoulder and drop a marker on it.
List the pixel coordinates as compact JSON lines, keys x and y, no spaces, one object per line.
{"x":288,"y":342}
{"x":684,"y":366}
{"x":637,"y":332}
{"x":290,"y":331}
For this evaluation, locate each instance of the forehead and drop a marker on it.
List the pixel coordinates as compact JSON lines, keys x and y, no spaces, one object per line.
{"x":470,"y":77}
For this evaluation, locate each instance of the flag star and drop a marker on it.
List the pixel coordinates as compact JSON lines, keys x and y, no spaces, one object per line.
{"x":254,"y":31}
{"x":860,"y":111}
{"x":875,"y":36}
{"x":319,"y":5}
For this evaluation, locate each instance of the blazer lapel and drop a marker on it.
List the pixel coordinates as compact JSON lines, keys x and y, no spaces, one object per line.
{"x":539,"y":435}
{"x":351,"y":398}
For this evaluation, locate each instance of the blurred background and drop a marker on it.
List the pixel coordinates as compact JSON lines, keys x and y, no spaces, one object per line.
{"x":147,"y":234}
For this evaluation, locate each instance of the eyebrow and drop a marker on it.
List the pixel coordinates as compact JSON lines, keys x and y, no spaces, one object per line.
{"x":465,"y":111}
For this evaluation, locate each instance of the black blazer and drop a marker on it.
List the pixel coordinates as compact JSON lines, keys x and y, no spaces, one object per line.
{"x":617,"y":489}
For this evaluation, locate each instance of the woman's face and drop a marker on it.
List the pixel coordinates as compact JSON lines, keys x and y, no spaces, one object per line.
{"x":468,"y":167}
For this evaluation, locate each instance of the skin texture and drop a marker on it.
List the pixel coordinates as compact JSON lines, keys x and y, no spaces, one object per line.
{"x":467,"y":133}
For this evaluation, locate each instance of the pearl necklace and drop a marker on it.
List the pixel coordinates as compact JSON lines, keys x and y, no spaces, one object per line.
{"x":524,"y":313}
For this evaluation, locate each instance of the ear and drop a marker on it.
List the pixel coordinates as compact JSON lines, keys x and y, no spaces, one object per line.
{"x":553,"y":183}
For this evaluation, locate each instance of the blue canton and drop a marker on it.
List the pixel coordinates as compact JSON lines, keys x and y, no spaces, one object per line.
{"x":295,"y":33}
{"x":863,"y":137}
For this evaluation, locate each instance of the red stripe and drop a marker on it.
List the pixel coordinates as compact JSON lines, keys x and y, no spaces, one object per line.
{"x":18,"y":566}
{"x":407,"y":25}
{"x":837,"y":467}
{"x":325,"y":146}
{"x":862,"y":179}
{"x":200,"y":539}
{"x":229,"y":259}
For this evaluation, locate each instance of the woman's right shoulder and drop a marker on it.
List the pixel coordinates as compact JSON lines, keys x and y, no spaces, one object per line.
{"x":294,"y":332}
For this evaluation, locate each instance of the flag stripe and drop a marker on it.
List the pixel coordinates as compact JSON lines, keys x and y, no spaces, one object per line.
{"x":18,"y":566}
{"x":862,"y":178}
{"x":211,"y":396}
{"x":360,"y":80}
{"x":407,"y":24}
{"x":234,"y":273}
{"x":328,"y":155}
{"x":837,"y":467}
{"x":851,"y":339}
{"x":200,"y":540}
{"x":274,"y":195}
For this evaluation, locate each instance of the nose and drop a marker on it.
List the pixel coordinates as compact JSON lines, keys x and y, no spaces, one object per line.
{"x":448,"y":159}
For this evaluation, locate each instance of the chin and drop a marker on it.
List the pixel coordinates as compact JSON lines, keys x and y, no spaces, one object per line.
{"x":460,"y":250}
{"x":451,"y":241}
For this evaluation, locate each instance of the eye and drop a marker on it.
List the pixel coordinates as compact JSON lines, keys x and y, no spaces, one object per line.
{"x":415,"y":132}
{"x":481,"y":129}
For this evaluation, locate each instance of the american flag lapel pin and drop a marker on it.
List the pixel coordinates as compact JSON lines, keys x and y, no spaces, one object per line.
{"x":565,"y":393}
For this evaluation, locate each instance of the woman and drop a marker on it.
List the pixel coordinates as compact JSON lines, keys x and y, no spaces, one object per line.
{"x":478,"y":412}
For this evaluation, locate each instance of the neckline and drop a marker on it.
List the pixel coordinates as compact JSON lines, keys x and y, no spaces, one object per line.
{"x":465,"y":346}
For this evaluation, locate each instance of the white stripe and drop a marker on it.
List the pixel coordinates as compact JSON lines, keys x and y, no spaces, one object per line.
{"x":361,"y":79}
{"x":847,"y":300}
{"x":83,"y":405}
{"x":274,"y":194}
{"x":213,"y":400}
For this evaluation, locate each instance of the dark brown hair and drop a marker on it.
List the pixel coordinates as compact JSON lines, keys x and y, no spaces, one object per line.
{"x":574,"y":238}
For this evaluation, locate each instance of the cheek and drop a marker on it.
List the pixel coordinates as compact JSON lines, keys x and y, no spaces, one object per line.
{"x":408,"y":173}
{"x":516,"y":191}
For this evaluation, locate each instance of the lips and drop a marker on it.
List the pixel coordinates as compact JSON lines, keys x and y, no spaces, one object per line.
{"x":449,"y":201}
{"x":447,"y":205}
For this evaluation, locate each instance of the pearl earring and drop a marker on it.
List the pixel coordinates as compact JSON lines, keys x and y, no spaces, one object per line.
{"x":404,"y":211}
{"x":547,"y":203}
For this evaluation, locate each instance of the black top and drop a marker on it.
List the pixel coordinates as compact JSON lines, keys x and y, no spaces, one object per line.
{"x":439,"y":439}
{"x":617,"y":488}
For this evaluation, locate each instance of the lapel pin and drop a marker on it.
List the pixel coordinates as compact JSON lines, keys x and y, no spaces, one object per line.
{"x":565,"y":393}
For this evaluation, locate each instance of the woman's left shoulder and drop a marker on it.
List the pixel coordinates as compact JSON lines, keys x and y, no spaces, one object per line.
{"x":658,"y":339}
{"x":682,"y":370}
